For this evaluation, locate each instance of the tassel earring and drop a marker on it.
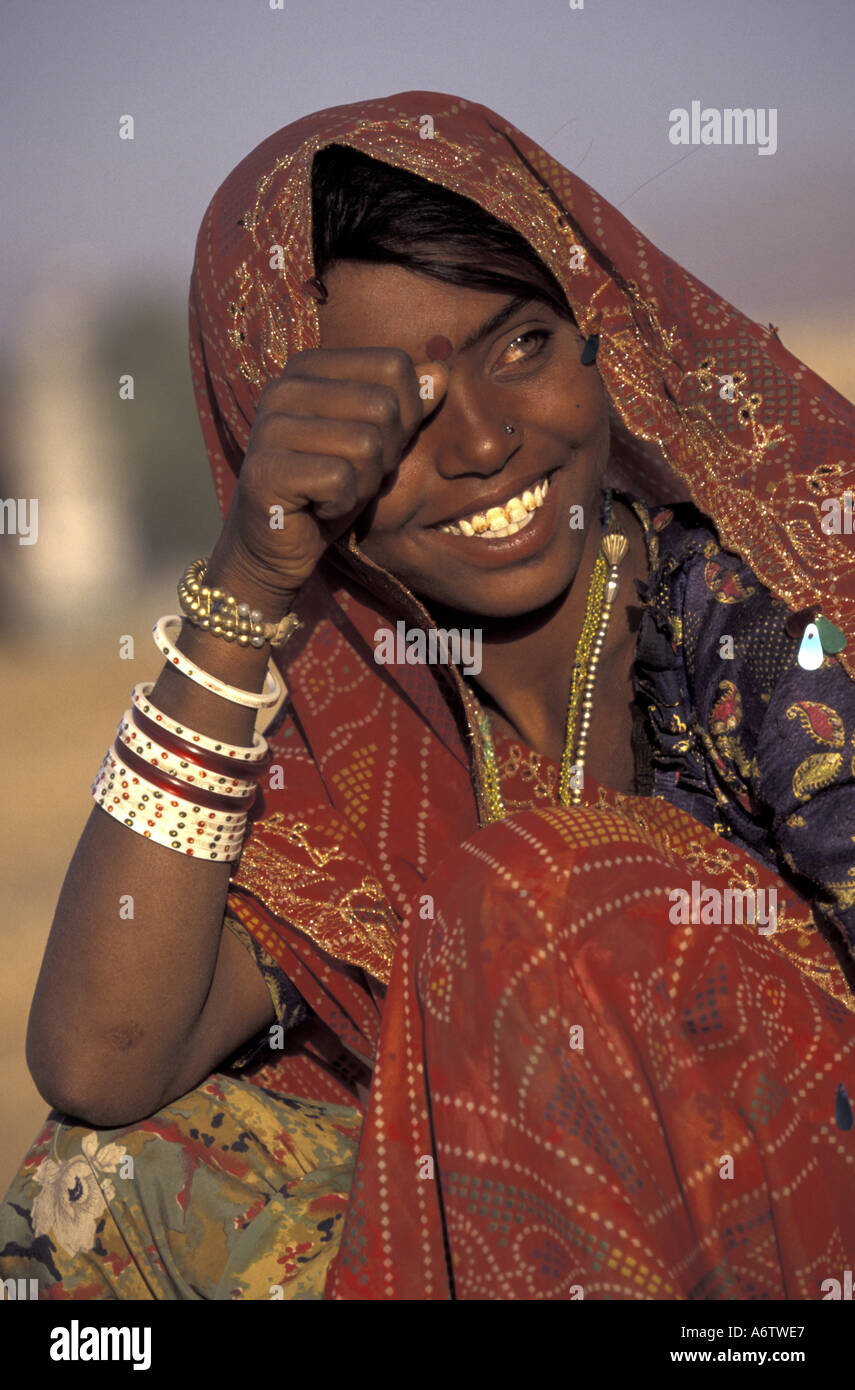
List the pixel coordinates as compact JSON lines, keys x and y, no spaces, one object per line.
{"x":589,"y":351}
{"x":592,"y":342}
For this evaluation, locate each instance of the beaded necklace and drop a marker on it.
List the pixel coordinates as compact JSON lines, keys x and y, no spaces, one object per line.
{"x":603,"y":587}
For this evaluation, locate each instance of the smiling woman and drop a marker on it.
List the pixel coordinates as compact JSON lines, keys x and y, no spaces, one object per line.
{"x":407,"y":1012}
{"x":465,"y":473}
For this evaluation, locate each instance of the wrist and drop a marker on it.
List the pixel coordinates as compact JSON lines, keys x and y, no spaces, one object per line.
{"x":248,"y":584}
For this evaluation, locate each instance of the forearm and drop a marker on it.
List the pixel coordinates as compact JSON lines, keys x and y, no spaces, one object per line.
{"x":136,"y":937}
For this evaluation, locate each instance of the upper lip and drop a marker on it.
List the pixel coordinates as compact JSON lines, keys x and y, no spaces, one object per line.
{"x":497,"y":498}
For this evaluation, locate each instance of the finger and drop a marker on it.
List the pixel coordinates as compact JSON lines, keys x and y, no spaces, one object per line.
{"x":302,"y":409}
{"x":361,"y":441}
{"x":382,"y":366}
{"x":326,"y":483}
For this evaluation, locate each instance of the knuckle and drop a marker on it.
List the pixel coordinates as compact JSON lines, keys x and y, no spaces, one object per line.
{"x":333,"y":470}
{"x":366,"y":443}
{"x":277,"y":394}
{"x":397,"y":365}
{"x":382,"y":404}
{"x":264,"y":430}
{"x":270,"y":395}
{"x":288,"y":387}
{"x":250,"y":471}
{"x":257,"y":480}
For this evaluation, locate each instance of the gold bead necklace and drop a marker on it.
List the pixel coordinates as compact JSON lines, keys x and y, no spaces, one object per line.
{"x":605,"y":582}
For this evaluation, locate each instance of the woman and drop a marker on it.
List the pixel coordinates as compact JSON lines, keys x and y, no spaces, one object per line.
{"x":534,"y":976}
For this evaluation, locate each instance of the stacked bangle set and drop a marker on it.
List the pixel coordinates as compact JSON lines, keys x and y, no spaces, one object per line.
{"x":177,"y":786}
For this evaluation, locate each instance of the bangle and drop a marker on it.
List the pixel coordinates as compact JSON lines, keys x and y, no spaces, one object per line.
{"x":165,"y":782}
{"x":159,"y":757}
{"x":133,"y":800}
{"x":272,"y":685}
{"x":223,"y":615}
{"x":170,"y":745}
{"x":258,"y":753}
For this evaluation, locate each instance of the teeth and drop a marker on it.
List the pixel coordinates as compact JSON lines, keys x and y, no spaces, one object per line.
{"x":501,"y":521}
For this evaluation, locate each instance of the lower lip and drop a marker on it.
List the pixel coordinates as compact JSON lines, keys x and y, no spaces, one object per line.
{"x":506,"y":550}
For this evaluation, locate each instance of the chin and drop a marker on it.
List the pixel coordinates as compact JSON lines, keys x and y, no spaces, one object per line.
{"x":512,"y":599}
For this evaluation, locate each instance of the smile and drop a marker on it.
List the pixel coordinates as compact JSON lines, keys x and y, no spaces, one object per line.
{"x":505,"y":520}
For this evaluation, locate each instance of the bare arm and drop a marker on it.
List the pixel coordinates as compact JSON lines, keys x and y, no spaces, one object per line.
{"x":129,"y":1013}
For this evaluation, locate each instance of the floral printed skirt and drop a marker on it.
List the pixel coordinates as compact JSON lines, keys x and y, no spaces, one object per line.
{"x":230,"y":1192}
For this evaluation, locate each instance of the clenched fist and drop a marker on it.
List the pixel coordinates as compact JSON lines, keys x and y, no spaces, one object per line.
{"x":326,"y":435}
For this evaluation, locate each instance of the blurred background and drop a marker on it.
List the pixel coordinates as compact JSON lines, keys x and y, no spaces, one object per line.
{"x":98,"y":235}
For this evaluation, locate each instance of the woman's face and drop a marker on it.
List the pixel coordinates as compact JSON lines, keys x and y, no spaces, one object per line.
{"x":462,"y":461}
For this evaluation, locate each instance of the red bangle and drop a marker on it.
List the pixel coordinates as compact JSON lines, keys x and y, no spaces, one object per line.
{"x":212,"y":762}
{"x":167,"y":783}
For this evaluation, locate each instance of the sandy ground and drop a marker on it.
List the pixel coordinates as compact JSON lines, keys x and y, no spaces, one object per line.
{"x":58,"y":714}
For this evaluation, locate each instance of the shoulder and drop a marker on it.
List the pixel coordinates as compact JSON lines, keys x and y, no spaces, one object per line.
{"x":709,"y":605}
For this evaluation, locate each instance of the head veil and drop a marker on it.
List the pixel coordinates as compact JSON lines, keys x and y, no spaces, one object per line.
{"x":382,"y":765}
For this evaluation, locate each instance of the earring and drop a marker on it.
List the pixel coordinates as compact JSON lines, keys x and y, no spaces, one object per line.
{"x":592,"y":342}
{"x":316,"y":288}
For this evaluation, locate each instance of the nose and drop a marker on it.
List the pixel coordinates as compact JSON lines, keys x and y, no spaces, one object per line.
{"x":469,"y":434}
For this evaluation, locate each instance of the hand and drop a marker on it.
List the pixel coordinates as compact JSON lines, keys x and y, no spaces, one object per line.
{"x":326,"y":435}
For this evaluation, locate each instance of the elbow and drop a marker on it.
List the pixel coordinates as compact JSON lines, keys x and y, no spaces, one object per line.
{"x":92,"y":1093}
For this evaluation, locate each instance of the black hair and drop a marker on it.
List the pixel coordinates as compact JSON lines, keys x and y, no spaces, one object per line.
{"x":365,"y":210}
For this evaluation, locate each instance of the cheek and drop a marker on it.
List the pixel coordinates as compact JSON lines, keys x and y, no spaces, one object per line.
{"x":577,"y":408}
{"x":405,"y":494}
{"x":382,"y":523}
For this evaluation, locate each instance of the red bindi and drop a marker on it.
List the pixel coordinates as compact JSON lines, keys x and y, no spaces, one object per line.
{"x":438,"y":348}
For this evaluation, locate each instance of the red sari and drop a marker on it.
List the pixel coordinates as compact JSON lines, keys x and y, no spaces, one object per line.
{"x":571,"y":1097}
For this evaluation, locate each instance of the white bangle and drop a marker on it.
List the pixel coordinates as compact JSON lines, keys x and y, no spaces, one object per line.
{"x":273,"y":689}
{"x":166,"y":819}
{"x":164,"y":760}
{"x":140,"y":695}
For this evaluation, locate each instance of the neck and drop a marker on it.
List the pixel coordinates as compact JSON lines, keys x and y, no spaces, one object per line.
{"x":527,"y":661}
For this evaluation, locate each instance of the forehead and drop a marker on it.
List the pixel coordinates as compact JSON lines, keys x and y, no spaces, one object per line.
{"x":387,"y":306}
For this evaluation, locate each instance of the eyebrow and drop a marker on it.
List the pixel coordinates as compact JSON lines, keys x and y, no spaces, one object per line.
{"x":493,"y":324}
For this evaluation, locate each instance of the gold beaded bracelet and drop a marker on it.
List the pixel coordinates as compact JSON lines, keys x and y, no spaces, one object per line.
{"x":223,"y":615}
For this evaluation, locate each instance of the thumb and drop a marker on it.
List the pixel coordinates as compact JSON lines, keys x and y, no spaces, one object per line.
{"x":433,"y":384}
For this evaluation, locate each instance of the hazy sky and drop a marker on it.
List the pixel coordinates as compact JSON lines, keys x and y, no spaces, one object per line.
{"x":206,"y":80}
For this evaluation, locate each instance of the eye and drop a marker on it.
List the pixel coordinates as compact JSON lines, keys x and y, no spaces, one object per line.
{"x":538,"y":336}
